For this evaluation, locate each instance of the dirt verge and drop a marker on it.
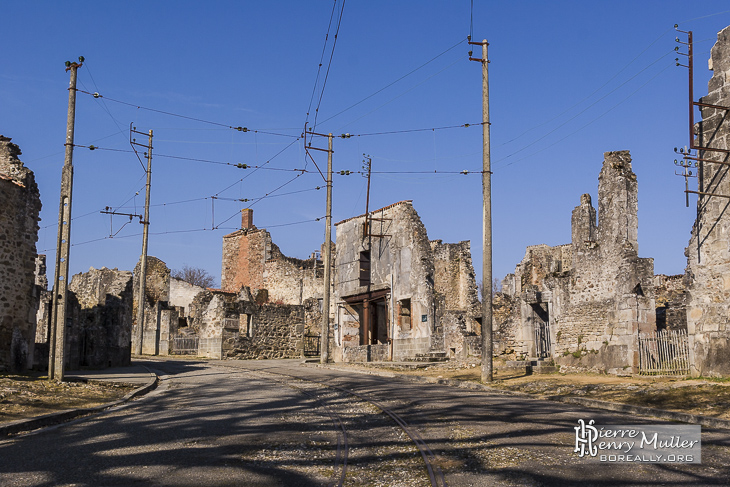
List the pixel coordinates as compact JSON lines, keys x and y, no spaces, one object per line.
{"x":30,"y":395}
{"x":706,"y":397}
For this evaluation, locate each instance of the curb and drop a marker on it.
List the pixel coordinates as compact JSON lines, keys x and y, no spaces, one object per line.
{"x":51,"y":419}
{"x":580,"y":401}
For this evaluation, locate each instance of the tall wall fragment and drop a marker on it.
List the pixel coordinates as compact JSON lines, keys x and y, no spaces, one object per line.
{"x":20,"y":205}
{"x":708,"y":253}
{"x":583,"y":304}
{"x":100,"y":319}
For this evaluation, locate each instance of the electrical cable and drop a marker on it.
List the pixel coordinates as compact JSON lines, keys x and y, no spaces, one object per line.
{"x":195,"y":119}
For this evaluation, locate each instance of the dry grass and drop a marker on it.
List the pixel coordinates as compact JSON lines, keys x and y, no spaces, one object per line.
{"x":29,"y":395}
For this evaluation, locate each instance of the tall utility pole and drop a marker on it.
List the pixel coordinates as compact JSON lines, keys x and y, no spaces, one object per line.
{"x":57,"y":341}
{"x":324,"y":338}
{"x":145,"y":233}
{"x":487,"y":372}
{"x":324,"y":348}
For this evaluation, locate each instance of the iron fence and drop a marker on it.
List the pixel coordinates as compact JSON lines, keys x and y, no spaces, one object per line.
{"x":311,"y":345}
{"x":664,"y":352}
{"x":184,"y":345}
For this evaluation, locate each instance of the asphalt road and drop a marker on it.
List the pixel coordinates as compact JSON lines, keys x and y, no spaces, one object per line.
{"x":269,"y":423}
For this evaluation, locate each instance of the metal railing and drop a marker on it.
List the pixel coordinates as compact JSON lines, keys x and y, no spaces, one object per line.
{"x":184,"y":345}
{"x":664,"y":352}
{"x":311,"y":345}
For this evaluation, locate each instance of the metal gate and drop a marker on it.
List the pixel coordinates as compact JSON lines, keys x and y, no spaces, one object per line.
{"x":184,"y":345}
{"x":311,"y":345}
{"x":541,"y":320}
{"x":664,"y":352}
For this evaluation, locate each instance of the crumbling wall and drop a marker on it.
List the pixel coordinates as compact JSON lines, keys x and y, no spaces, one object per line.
{"x":401,"y":265}
{"x":20,"y":205}
{"x":277,"y":332}
{"x":708,"y":253}
{"x":157,"y":297}
{"x":231,"y":325}
{"x":245,"y":252}
{"x":454,"y":279}
{"x":584,"y":304}
{"x":251,"y":259}
{"x":100,"y":330}
{"x":182,"y":294}
{"x":292,"y":281}
{"x":671,"y":302}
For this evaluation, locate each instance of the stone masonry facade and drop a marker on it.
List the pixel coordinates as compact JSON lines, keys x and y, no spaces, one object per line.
{"x":251,"y":259}
{"x":395,"y":290}
{"x":583,"y":304}
{"x":100,"y":319}
{"x":708,"y":252}
{"x":20,"y":205}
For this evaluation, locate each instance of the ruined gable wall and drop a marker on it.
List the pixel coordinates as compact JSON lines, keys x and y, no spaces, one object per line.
{"x":708,"y":267}
{"x":403,"y":252}
{"x":20,"y":205}
{"x":244,"y":255}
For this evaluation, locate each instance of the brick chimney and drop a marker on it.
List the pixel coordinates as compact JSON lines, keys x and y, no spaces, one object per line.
{"x":247,"y":219}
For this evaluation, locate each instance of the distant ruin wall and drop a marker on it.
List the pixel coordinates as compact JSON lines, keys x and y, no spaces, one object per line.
{"x":20,"y":205}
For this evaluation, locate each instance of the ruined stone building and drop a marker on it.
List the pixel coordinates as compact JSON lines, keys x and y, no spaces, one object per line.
{"x":20,"y":205}
{"x":395,"y":289}
{"x":217,"y":323}
{"x":583,"y":304}
{"x":99,"y":319}
{"x":242,"y":326}
{"x":708,"y":252}
{"x":251,"y":259}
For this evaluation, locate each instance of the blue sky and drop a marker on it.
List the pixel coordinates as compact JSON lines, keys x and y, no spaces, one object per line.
{"x":569,"y":80}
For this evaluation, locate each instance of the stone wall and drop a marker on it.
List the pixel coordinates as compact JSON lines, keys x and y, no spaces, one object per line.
{"x":277,"y":332}
{"x":99,"y":330}
{"x":671,"y":302}
{"x":182,"y":294}
{"x":251,"y":259}
{"x":454,"y":280}
{"x":583,"y":304}
{"x":405,"y":286}
{"x":708,"y":252}
{"x":232,"y":325}
{"x":20,"y":205}
{"x":401,"y":275}
{"x":157,"y":297}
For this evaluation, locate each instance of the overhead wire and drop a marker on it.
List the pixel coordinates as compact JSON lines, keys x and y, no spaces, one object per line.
{"x":556,"y":128}
{"x":329,"y":64}
{"x":587,"y":124}
{"x":195,"y":119}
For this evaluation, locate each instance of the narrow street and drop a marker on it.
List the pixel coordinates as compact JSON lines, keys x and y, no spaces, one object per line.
{"x":265,"y":423}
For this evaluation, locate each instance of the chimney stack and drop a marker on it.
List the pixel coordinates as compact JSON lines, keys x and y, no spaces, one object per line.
{"x":247,"y":219}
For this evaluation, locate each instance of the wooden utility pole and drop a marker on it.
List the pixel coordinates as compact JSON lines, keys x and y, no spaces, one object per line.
{"x":57,"y":341}
{"x":487,"y":346}
{"x":145,"y":233}
{"x":324,"y":348}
